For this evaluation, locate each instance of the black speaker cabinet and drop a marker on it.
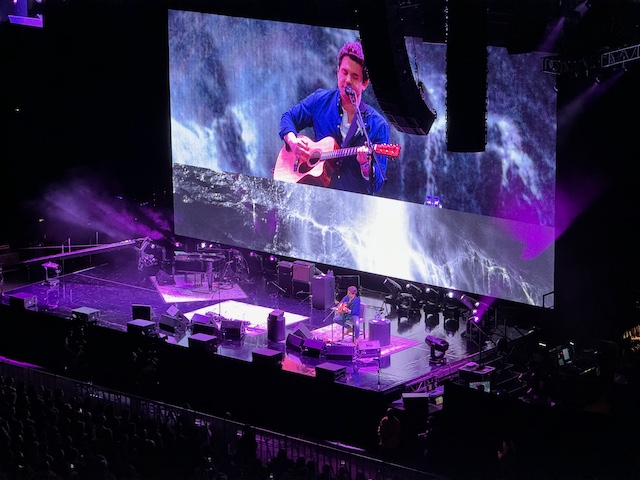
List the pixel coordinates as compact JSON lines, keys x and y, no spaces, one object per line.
{"x":295,"y":342}
{"x":142,"y":328}
{"x":205,"y":324}
{"x":85,"y":315}
{"x":302,"y":331}
{"x":232,"y":329}
{"x":23,"y":300}
{"x":267,"y":358}
{"x":323,"y":288}
{"x":340,"y":352}
{"x":330,"y":371}
{"x":163,"y":278}
{"x":141,"y":312}
{"x":285,"y":280}
{"x":312,"y":347}
{"x":203,"y":343}
{"x":275,"y":326}
{"x":299,"y":287}
{"x":173,"y":321}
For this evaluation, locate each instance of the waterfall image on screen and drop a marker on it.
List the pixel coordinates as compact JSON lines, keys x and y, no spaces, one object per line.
{"x":476,"y":222}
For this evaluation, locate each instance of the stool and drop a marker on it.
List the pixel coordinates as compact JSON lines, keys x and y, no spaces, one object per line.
{"x":380,"y":329}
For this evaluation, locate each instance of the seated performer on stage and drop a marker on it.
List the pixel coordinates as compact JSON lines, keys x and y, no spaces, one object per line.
{"x":332,"y":114}
{"x":348,"y":309}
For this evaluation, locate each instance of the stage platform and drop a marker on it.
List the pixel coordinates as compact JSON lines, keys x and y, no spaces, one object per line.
{"x":114,"y":287}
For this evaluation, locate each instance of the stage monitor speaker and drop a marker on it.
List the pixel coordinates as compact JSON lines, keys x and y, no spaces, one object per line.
{"x":312,"y":347}
{"x":232,"y":329}
{"x":295,"y":342}
{"x":323,"y":291}
{"x":303,"y":332}
{"x":163,"y":278}
{"x":303,"y":271}
{"x":337,"y":351}
{"x":275,"y":326}
{"x":205,"y":324}
{"x":383,"y":41}
{"x":285,"y":280}
{"x":173,"y":321}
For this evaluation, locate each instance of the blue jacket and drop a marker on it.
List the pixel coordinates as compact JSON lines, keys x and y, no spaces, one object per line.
{"x":322,"y":111}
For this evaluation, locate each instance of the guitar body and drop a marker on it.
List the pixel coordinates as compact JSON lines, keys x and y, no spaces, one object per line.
{"x":314,"y":172}
{"x":322,"y":161}
{"x":342,"y":308}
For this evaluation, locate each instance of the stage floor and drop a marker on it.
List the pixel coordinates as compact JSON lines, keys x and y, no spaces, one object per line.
{"x":113,"y":288}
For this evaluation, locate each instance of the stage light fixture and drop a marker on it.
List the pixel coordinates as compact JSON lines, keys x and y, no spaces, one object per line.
{"x":431,"y":320}
{"x":414,"y":290}
{"x":392,"y":286}
{"x":404,"y":304}
{"x":51,"y":272}
{"x":395,"y":289}
{"x":451,"y":326}
{"x":438,"y":347}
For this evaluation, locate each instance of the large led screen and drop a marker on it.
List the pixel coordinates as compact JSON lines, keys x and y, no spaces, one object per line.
{"x":480,"y":222}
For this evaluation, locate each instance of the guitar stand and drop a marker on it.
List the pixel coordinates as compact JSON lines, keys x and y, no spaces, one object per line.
{"x":307,"y":296}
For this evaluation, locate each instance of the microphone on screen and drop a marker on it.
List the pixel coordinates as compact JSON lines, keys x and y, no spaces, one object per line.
{"x":350,"y":92}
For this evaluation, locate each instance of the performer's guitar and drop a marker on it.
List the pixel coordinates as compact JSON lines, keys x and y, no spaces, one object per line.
{"x":342,"y":308}
{"x":321,"y":164}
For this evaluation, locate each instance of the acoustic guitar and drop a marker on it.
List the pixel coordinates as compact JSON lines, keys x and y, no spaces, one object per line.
{"x":322,"y":161}
{"x":342,"y":308}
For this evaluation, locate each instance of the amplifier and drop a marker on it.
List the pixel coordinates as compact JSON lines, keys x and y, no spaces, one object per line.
{"x":330,"y":371}
{"x":303,"y":271}
{"x":369,"y":348}
{"x":285,"y":281}
{"x":23,"y":300}
{"x":85,"y":315}
{"x":340,"y":352}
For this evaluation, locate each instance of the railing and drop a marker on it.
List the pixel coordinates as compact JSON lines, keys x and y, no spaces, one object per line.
{"x":224,"y":431}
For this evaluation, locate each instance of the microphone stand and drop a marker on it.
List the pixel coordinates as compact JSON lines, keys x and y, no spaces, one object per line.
{"x":372,"y":158}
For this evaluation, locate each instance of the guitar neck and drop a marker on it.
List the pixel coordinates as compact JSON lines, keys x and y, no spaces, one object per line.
{"x":338,"y":153}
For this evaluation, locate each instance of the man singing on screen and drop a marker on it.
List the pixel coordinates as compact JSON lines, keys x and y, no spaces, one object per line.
{"x":332,"y":115}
